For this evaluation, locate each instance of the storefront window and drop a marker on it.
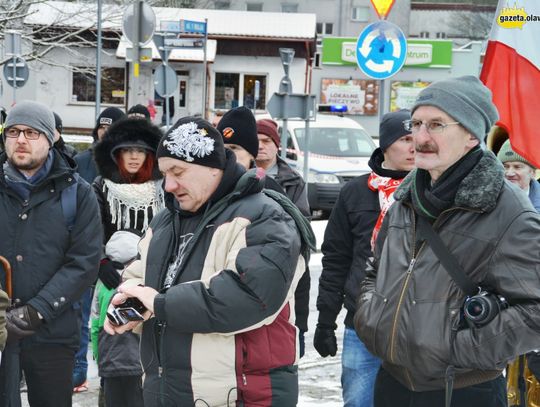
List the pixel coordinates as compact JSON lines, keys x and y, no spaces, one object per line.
{"x":226,"y":92}
{"x":113,"y":87}
{"x":234,"y":89}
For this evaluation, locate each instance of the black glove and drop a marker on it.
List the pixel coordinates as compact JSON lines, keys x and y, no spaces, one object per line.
{"x":108,"y":273}
{"x":22,"y":322}
{"x":325,"y":340}
{"x":302,"y":342}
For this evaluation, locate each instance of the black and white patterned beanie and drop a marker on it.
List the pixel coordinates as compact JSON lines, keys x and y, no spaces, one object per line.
{"x":195,"y":141}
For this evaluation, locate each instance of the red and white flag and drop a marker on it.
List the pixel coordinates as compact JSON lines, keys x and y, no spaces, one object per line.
{"x":512,"y":71}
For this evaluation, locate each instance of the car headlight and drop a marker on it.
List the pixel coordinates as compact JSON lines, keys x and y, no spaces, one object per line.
{"x":322,"y":178}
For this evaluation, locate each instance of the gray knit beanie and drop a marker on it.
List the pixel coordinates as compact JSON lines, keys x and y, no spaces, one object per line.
{"x":32,"y":114}
{"x":465,"y":99}
{"x":506,"y":153}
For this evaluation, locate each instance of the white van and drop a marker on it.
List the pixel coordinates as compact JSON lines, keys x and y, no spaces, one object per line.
{"x":339,"y":151}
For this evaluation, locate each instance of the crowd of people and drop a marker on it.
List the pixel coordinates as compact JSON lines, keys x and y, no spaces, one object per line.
{"x":182,"y":257}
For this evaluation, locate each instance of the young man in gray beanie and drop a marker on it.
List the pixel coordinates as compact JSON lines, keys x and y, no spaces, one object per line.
{"x":48,"y":275}
{"x":355,"y":219}
{"x":411,"y":310}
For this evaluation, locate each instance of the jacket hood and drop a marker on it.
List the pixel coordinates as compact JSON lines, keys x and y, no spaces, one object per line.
{"x":375,"y":163}
{"x":479,"y":190}
{"x":126,"y":132}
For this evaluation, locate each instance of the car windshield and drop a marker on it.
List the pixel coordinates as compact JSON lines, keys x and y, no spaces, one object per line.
{"x":337,"y":141}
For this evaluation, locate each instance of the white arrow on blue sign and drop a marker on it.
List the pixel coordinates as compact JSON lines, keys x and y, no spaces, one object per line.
{"x":381,"y":50}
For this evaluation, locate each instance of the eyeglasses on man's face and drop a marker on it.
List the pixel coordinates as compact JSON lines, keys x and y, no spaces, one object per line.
{"x":432,"y":126}
{"x":29,"y":134}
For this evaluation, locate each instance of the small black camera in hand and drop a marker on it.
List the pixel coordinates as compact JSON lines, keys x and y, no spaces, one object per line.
{"x":131,"y":309}
{"x":480,"y":309}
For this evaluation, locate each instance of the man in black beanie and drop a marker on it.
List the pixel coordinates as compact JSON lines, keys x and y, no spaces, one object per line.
{"x":351,"y":230}
{"x":225,"y":260}
{"x":85,"y":160}
{"x":446,"y":333}
{"x":239,"y":130}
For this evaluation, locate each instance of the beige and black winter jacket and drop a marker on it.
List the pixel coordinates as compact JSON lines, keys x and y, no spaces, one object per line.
{"x":409,"y":304}
{"x":224,"y":332}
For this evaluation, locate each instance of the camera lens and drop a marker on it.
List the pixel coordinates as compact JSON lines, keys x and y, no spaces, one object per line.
{"x":475,"y":309}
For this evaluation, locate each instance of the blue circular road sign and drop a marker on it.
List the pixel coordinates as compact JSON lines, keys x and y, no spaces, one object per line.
{"x":381,"y":50}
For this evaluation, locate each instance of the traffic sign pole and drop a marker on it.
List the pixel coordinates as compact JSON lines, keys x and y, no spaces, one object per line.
{"x":136,"y":39}
{"x":205,"y":67}
{"x":14,"y":61}
{"x":382,"y":101}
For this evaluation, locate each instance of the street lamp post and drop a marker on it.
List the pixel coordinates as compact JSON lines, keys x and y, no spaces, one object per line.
{"x":285,"y":87}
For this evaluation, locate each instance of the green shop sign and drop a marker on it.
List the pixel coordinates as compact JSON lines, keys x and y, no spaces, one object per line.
{"x":420,"y":53}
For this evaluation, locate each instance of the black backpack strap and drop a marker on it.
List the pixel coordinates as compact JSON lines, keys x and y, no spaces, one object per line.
{"x":446,"y":258}
{"x":69,"y":203}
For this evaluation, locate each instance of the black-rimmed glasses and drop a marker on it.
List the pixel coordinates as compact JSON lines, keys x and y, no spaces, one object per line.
{"x":29,"y":134}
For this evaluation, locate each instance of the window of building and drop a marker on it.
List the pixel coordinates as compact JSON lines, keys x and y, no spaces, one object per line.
{"x":360,"y":14}
{"x":289,"y":8}
{"x":325,"y":28}
{"x":239,"y":89}
{"x":113,"y":86}
{"x":250,"y":100}
{"x":222,"y":5}
{"x":441,"y":35}
{"x":424,"y":34}
{"x":254,"y":7}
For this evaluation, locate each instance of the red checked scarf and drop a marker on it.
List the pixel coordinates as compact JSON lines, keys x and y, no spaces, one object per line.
{"x":386,"y":187}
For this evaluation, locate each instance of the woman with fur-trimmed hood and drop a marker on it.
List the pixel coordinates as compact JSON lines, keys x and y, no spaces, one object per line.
{"x":129,"y":183}
{"x":129,"y":194}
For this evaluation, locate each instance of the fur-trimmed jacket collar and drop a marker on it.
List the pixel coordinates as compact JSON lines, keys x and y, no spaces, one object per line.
{"x":479,"y":190}
{"x":134,"y":131}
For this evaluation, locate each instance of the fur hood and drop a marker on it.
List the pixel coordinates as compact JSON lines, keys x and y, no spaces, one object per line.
{"x":130,"y":132}
{"x":479,"y":190}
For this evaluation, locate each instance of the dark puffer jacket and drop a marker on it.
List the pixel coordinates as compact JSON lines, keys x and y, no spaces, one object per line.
{"x":409,"y":304}
{"x":129,"y":132}
{"x":51,"y":266}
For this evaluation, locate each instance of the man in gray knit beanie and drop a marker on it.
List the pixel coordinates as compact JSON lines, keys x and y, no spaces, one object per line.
{"x":35,"y":115}
{"x":54,"y":246}
{"x":491,"y":232}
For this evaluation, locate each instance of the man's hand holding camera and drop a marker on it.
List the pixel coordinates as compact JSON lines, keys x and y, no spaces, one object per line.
{"x":143,"y":294}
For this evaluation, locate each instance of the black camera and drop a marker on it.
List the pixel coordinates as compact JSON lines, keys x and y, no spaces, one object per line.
{"x":131,"y":309}
{"x":480,"y":309}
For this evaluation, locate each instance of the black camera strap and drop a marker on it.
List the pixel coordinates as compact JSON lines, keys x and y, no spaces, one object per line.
{"x":446,"y":258}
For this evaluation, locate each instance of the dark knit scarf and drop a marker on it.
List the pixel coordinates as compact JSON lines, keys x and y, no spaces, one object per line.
{"x":430,"y":200}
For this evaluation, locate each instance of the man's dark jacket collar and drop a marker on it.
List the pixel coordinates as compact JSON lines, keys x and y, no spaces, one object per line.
{"x":479,"y":190}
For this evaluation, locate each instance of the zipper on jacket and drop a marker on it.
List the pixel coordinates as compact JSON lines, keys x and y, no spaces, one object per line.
{"x":244,"y":379}
{"x":396,"y":314}
{"x":404,"y":288}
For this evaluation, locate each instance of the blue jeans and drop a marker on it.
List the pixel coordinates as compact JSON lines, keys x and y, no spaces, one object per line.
{"x":81,"y":364}
{"x":359,"y":370}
